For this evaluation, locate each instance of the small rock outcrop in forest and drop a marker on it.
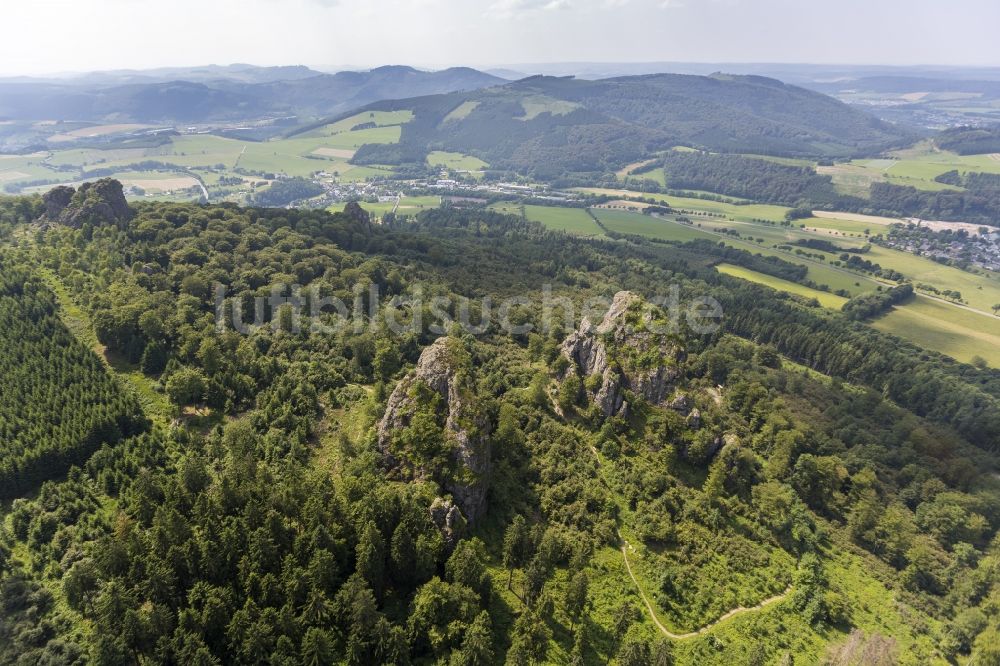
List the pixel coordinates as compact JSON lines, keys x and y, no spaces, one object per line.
{"x":433,"y":427}
{"x":626,"y":354}
{"x":100,"y":202}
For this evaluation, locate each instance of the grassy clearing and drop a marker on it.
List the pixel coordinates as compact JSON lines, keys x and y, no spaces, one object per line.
{"x":539,"y":104}
{"x":380,"y":118}
{"x":945,"y":328}
{"x":154,"y":402}
{"x":461,"y":111}
{"x":455,"y":161}
{"x":657,"y":175}
{"x":827,"y":300}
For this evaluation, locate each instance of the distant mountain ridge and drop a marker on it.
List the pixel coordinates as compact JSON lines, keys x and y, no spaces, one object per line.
{"x":224,"y":94}
{"x":234,"y":72}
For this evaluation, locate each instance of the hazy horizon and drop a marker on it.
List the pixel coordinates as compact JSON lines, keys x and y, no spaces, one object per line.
{"x":54,"y":36}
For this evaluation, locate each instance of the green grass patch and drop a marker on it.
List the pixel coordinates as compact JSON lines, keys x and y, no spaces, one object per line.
{"x":461,"y":111}
{"x":380,"y":118}
{"x":825,"y":299}
{"x":571,"y":220}
{"x":945,"y":328}
{"x":734,"y":211}
{"x":638,"y":224}
{"x":538,"y":104}
{"x":455,"y":161}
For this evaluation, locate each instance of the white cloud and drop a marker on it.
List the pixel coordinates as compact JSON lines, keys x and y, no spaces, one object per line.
{"x":519,"y":8}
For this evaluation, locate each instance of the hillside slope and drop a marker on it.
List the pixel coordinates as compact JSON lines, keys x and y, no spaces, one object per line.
{"x":549,"y":125}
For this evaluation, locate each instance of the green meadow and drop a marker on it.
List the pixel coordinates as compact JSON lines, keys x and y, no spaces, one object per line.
{"x":455,"y":161}
{"x":571,"y":220}
{"x":735,"y":211}
{"x":461,"y":111}
{"x":825,"y":299}
{"x":945,"y":328}
{"x":536,"y":105}
{"x":917,"y":166}
{"x":407,"y":206}
{"x":624,"y":222}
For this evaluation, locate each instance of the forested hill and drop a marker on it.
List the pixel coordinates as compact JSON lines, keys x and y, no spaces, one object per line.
{"x":550,"y":125}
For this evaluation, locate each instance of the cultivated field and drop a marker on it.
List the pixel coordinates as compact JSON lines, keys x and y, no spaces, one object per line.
{"x":96,"y":130}
{"x":624,"y":222}
{"x":407,"y":206}
{"x":211,"y":157}
{"x":571,"y":220}
{"x":736,"y":211}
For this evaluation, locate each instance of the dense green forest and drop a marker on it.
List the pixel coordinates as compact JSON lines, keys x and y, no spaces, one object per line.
{"x":970,"y":140}
{"x":358,"y":495}
{"x":748,"y":178}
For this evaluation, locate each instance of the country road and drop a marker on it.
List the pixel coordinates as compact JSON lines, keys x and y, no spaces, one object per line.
{"x":626,"y":546}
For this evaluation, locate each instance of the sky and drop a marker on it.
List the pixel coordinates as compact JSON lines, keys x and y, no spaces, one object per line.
{"x":49,"y":36}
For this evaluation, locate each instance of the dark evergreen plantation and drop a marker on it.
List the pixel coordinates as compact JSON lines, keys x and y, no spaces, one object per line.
{"x":58,"y":404}
{"x":798,"y":455}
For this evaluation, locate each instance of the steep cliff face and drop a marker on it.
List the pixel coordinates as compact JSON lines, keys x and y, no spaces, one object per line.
{"x":99,"y":202}
{"x":627,"y":355}
{"x":433,"y":427}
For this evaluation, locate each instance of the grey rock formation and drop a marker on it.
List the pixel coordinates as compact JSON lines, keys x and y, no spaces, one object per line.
{"x":680,"y":403}
{"x":100,"y":202}
{"x":449,"y":520}
{"x":619,"y":350}
{"x":56,"y":201}
{"x":445,"y":369}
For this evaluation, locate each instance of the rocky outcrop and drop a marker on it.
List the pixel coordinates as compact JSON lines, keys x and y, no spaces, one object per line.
{"x":56,"y":200}
{"x":441,"y":386}
{"x":354,"y":211}
{"x":100,"y":202}
{"x":449,"y":521}
{"x":626,"y":354}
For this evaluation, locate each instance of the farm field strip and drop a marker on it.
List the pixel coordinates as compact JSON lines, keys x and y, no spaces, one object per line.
{"x":571,"y":220}
{"x":935,"y":325}
{"x":826,"y":299}
{"x":740,"y":212}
